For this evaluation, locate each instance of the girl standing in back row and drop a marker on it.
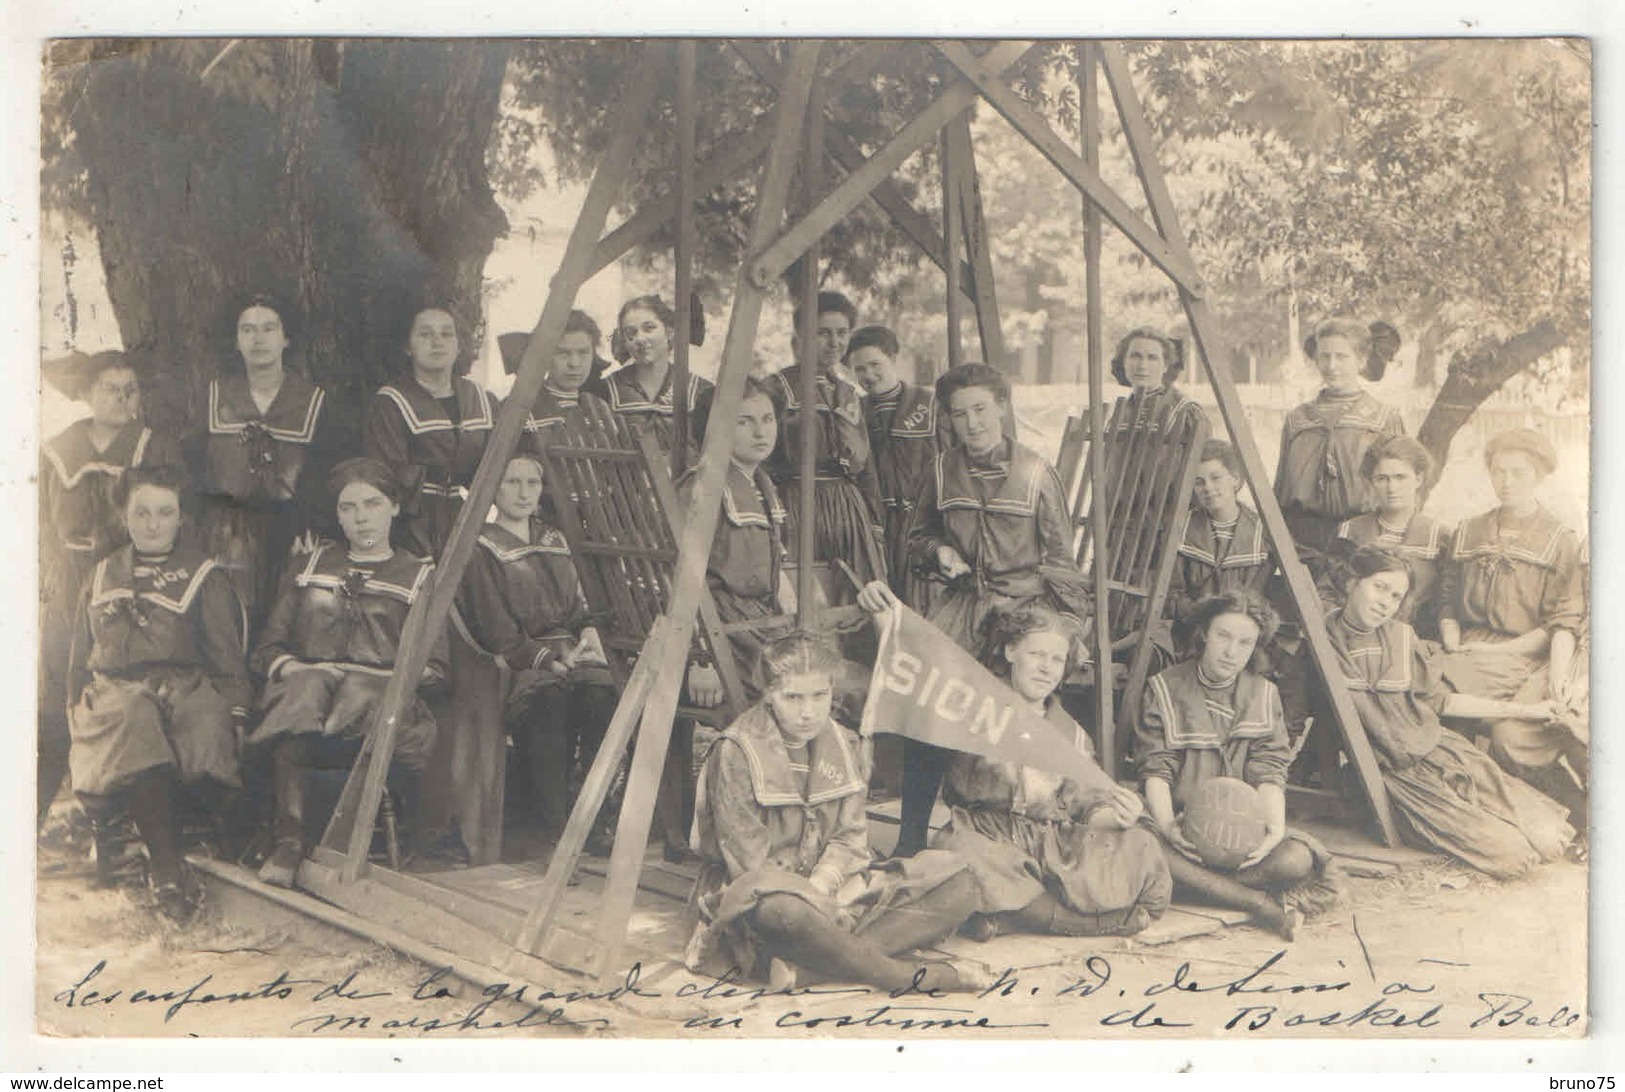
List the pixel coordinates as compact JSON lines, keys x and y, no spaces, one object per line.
{"x":432,"y":426}
{"x":261,"y":456}
{"x":1318,"y":480}
{"x":992,"y":525}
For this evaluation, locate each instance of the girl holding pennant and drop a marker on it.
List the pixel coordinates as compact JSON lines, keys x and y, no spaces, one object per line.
{"x":991,"y":524}
{"x":1056,"y":848}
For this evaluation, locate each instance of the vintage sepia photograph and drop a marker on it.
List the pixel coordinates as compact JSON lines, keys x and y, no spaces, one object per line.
{"x":814,"y":538}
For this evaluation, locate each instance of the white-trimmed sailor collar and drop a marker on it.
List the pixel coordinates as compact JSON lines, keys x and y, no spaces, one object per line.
{"x":507,"y":548}
{"x":95,"y":463}
{"x":220,"y":423}
{"x":427,"y":415}
{"x":108,"y":585}
{"x":1477,"y":538}
{"x":313,"y":576}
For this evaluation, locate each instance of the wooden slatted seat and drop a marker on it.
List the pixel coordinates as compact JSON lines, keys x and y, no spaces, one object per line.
{"x":1152,"y":446}
{"x":619,"y":510}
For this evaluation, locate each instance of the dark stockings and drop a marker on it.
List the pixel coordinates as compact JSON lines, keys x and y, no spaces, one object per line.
{"x":52,"y":766}
{"x":674,"y":804}
{"x":1225,"y":890}
{"x":150,"y":800}
{"x":1048,"y":915}
{"x":796,"y":931}
{"x":296,"y":757}
{"x":1553,"y":781}
{"x":924,"y":765}
{"x":925,"y":920}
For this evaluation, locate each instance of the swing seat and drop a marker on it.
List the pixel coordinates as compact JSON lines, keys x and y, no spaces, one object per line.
{"x":1152,"y":446}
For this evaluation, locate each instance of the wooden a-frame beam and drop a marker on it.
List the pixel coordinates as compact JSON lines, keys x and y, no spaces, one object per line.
{"x":807,"y":435}
{"x":685,"y":54}
{"x":655,"y":213}
{"x":856,"y":187}
{"x":1206,"y":331}
{"x":842,"y":148}
{"x":979,"y":245}
{"x":1032,"y":125}
{"x":700,"y":525}
{"x":1094,"y":338}
{"x":953,"y":231}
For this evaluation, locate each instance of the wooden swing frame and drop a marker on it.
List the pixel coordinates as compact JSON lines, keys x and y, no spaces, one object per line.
{"x":798,"y":128}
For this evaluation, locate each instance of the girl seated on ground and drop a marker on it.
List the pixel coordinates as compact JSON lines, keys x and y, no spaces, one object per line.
{"x":1051,"y":855}
{"x":1513,"y":603}
{"x":1446,"y":793}
{"x":157,"y":682}
{"x":782,"y":827}
{"x":1213,"y":717}
{"x":328,"y":651}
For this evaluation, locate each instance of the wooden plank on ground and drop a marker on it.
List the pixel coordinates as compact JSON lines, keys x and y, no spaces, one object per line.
{"x":658,"y":877}
{"x":384,"y":905}
{"x":1182,"y":922}
{"x":1353,"y":842}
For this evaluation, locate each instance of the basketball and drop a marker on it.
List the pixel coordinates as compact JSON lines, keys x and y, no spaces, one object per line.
{"x":1224,"y":820}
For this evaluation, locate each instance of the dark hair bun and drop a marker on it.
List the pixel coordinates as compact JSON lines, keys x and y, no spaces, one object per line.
{"x":1385,"y":342}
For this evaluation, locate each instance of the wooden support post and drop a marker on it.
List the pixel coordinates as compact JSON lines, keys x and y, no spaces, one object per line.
{"x":359,"y":806}
{"x":1031,"y":124}
{"x":1224,"y":388}
{"x":840,"y":146}
{"x":632,"y":832}
{"x":732,"y":161}
{"x":683,"y":252}
{"x":855,"y":188}
{"x":1089,"y":126}
{"x":953,"y":230}
{"x":812,"y":184}
{"x":979,"y":246}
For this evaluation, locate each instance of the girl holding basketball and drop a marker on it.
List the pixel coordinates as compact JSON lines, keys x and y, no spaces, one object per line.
{"x":1051,"y":855}
{"x":1213,"y":742}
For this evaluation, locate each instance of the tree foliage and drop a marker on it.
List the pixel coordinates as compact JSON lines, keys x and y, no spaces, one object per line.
{"x":1442,"y":185}
{"x":346,"y":177}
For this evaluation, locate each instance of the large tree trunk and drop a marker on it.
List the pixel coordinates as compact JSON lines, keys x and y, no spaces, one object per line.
{"x":1473,"y":378}
{"x":348,"y":177}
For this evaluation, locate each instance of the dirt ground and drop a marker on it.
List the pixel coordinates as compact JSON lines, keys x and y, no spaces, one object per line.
{"x":1435,"y":951}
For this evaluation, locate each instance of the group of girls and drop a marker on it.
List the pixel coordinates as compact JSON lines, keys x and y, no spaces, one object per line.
{"x":1476,"y":625}
{"x":242,"y":630}
{"x":222,"y":611}
{"x":987,"y":550}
